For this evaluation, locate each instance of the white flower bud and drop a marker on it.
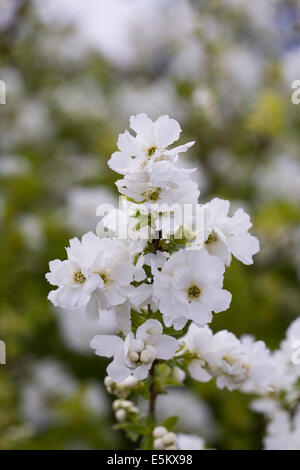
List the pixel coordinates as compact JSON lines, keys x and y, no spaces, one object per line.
{"x":121,"y":387}
{"x":117,"y":404}
{"x":159,"y":431}
{"x":178,"y":374}
{"x":134,"y":409}
{"x":169,"y":439}
{"x":108,"y":382}
{"x":121,"y":415}
{"x":134,"y":356}
{"x":158,"y":444}
{"x":126,"y":404}
{"x":146,"y":356}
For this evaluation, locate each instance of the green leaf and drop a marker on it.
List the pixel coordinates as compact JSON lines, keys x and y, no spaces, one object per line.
{"x":170,"y":423}
{"x":137,"y":319}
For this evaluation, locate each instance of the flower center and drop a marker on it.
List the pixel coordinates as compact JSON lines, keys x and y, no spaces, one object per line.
{"x":193,"y":292}
{"x":153,"y":194}
{"x":212,"y":238}
{"x":104,"y":276}
{"x":151,"y":151}
{"x":79,"y":278}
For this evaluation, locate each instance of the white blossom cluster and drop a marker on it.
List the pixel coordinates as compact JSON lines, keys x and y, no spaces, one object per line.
{"x":155,"y":287}
{"x":109,"y":274}
{"x":234,"y":363}
{"x":280,"y":404}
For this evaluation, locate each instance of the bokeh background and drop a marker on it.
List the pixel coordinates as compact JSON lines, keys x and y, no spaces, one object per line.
{"x":75,"y":71}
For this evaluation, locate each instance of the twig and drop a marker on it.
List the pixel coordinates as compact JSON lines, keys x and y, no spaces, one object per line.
{"x":152,"y":389}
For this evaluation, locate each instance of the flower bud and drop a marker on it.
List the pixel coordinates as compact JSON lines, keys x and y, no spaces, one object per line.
{"x":146,"y":356}
{"x":158,"y":444}
{"x":121,"y":415}
{"x":178,"y":374}
{"x":159,"y":431}
{"x":134,"y":356}
{"x":117,"y":404}
{"x":169,"y":439}
{"x":108,"y":382}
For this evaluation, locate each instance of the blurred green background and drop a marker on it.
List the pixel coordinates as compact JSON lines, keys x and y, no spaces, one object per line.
{"x":74,"y":73}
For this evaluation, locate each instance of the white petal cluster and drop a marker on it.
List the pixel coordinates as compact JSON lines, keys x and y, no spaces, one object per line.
{"x":96,"y":275}
{"x":135,"y":355}
{"x":232,"y":362}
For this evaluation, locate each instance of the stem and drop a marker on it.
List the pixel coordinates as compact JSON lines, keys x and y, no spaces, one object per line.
{"x":152,"y":389}
{"x":156,"y":241}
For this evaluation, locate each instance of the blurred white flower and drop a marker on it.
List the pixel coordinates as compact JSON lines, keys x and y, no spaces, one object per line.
{"x":283,"y":432}
{"x":11,"y":165}
{"x":82,"y":203}
{"x":77,"y":331}
{"x":190,"y":442}
{"x":50,"y":386}
{"x":194,"y":415}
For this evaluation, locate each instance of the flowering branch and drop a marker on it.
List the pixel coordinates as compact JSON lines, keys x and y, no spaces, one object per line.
{"x":160,"y":284}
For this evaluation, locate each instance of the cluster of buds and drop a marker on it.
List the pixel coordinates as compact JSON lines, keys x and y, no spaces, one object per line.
{"x":141,"y":353}
{"x":122,"y":389}
{"x":163,"y":439}
{"x":125,"y":410}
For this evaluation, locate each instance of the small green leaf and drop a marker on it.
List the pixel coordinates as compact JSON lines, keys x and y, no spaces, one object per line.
{"x":170,"y":423}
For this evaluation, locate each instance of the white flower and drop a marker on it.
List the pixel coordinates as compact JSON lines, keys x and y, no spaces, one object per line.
{"x":135,"y":355}
{"x":189,"y":287}
{"x":76,"y":330}
{"x":226,"y":236}
{"x":283,"y":432}
{"x":286,"y":363}
{"x":96,"y":275}
{"x":170,"y":186}
{"x":232,"y":362}
{"x":148,"y":166}
{"x":49,"y":387}
{"x":149,"y":145}
{"x":194,"y":415}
